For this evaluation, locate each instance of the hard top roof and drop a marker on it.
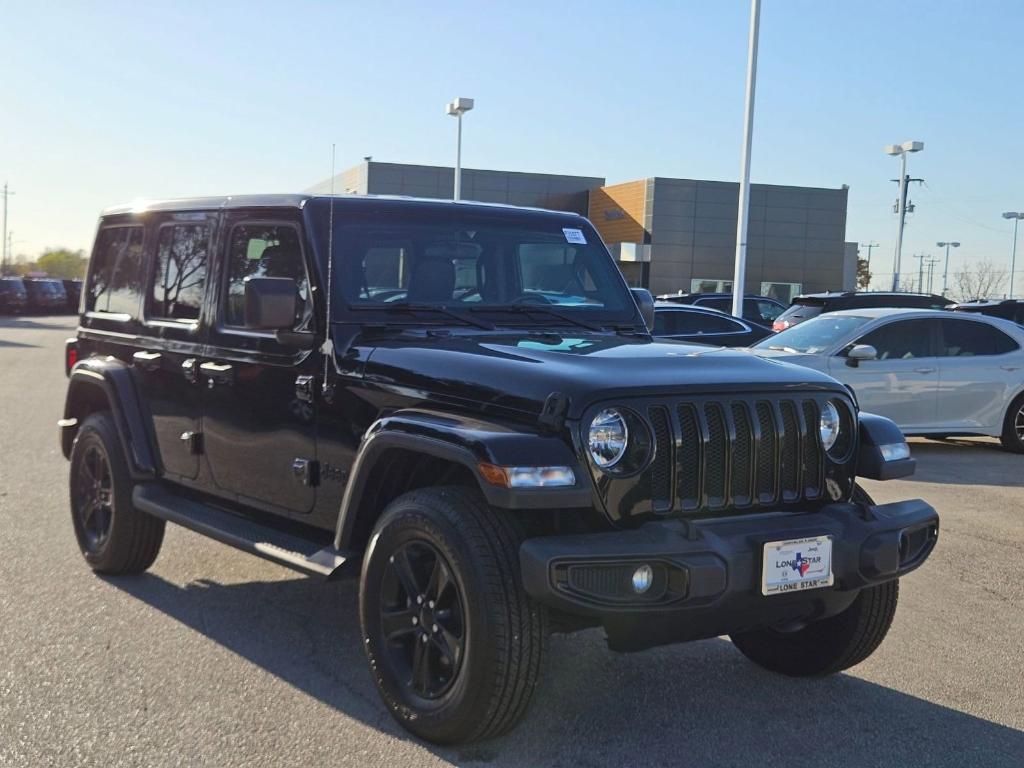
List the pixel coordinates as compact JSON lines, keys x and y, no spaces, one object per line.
{"x":229,"y":202}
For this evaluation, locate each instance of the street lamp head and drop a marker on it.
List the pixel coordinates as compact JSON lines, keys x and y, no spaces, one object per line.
{"x":893,"y":149}
{"x":1013,"y":215}
{"x":912,"y":146}
{"x":955,"y":245}
{"x":458,"y":107}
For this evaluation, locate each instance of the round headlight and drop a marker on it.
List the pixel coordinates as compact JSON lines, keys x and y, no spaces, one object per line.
{"x":607,"y":438}
{"x":829,"y":425}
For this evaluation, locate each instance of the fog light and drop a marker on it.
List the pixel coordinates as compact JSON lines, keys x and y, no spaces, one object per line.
{"x":643,"y":577}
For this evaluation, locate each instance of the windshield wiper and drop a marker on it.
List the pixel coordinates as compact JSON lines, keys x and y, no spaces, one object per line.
{"x":526,"y":309}
{"x":412,"y":307}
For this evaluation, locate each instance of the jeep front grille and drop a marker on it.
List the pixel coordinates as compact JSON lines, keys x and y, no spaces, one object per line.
{"x":717,"y":454}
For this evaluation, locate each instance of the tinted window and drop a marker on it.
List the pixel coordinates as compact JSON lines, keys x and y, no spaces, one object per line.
{"x":265,"y":250}
{"x":963,"y":338}
{"x":179,"y":276}
{"x":680,"y":322}
{"x":115,"y":266}
{"x":903,"y":340}
{"x":767,"y":311}
{"x":798,"y":313}
{"x":725,"y":305}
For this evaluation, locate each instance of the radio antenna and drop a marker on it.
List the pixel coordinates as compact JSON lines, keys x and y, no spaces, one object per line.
{"x":327,"y":348}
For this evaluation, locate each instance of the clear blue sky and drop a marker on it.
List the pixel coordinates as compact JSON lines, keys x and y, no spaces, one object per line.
{"x":103,"y":103}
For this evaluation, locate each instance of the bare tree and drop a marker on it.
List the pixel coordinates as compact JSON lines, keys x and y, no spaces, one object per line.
{"x":981,"y":280}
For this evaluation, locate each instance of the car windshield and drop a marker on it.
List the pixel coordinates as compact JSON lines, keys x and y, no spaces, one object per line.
{"x":521,"y":270}
{"x":813,"y":336}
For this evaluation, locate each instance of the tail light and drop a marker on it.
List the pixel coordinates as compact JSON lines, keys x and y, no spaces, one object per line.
{"x":781,"y":325}
{"x":70,"y":355}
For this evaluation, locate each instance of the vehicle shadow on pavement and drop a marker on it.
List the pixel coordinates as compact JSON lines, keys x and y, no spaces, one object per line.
{"x":699,"y":704}
{"x":56,"y":321}
{"x":967,"y":461}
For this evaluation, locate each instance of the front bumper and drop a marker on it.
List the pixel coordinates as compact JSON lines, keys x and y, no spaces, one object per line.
{"x":707,"y":575}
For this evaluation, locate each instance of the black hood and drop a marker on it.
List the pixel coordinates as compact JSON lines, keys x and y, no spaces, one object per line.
{"x":519,"y":371}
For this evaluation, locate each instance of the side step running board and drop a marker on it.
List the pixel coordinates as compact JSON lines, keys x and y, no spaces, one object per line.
{"x":288,"y":550}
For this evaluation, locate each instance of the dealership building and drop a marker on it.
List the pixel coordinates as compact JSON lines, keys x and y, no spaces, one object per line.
{"x":669,"y":235}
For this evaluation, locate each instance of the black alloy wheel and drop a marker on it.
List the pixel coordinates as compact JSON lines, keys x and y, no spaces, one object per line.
{"x":422,"y":618}
{"x":94,"y":497}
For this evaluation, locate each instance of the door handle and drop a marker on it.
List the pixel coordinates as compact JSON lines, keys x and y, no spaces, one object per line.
{"x":147,"y":361}
{"x":924,"y":370}
{"x":217,"y":373}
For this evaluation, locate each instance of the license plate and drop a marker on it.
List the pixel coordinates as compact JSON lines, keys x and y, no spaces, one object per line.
{"x":796,"y":565}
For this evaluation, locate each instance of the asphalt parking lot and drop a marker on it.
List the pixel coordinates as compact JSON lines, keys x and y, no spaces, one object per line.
{"x":217,"y":658}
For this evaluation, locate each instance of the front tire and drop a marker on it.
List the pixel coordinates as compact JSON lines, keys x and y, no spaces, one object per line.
{"x":1013,"y":426}
{"x":453,"y":641}
{"x":113,"y":535}
{"x":829,"y":645}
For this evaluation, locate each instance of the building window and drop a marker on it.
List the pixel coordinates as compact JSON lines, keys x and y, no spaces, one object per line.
{"x":710,"y":285}
{"x":784,"y":292}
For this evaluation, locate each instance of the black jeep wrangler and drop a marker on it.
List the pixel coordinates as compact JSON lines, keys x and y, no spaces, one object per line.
{"x":461,"y":405}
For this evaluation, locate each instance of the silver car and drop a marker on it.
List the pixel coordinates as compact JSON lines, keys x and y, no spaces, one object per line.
{"x":930,"y":371}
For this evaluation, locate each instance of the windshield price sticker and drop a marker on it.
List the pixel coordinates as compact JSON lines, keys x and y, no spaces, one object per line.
{"x":574,"y":235}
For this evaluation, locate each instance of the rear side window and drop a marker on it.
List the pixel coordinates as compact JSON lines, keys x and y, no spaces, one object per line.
{"x":902,"y":340}
{"x":179,"y":277}
{"x":800,"y":312}
{"x":963,"y":338}
{"x":115,"y":279}
{"x":681,"y":322}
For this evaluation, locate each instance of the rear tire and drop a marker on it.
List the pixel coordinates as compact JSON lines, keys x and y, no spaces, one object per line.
{"x":1013,"y":426}
{"x":829,"y":645}
{"x":457,"y":662}
{"x":113,"y":535}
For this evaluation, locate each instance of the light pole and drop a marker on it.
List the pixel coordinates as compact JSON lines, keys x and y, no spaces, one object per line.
{"x":945,"y":270}
{"x":3,"y":260}
{"x":1013,"y":253}
{"x":931,"y":273}
{"x":457,"y":108}
{"x":901,"y":150}
{"x":743,"y":209}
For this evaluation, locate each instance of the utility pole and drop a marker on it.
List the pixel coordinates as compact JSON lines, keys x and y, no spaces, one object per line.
{"x":869,"y":246}
{"x":920,"y":270}
{"x":931,"y":272}
{"x":3,"y":261}
{"x":743,"y":211}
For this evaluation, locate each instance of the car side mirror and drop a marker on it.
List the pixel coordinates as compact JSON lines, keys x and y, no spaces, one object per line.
{"x":645,"y":301}
{"x":270,"y":303}
{"x":859,"y":353}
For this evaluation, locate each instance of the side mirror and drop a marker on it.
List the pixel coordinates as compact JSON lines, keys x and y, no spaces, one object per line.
{"x":270,"y":303}
{"x":860,"y":352}
{"x":645,"y":301}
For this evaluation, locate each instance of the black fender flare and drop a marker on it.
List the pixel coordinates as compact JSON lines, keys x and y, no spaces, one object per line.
{"x":112,"y":379}
{"x":468,"y":441}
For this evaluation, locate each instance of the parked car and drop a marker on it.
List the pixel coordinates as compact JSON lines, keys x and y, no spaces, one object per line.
{"x":487,"y":463}
{"x":813,"y":304}
{"x":13,"y":298}
{"x":932,"y":372}
{"x":686,"y":322}
{"x":1008,"y":309}
{"x":45,"y":296}
{"x":73,"y":289}
{"x":759,"y":310}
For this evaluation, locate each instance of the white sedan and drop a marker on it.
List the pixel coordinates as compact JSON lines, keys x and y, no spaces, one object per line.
{"x":932,"y":372}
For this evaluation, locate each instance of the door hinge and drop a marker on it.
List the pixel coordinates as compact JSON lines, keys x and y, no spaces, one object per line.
{"x":305,"y":388}
{"x":306,"y":471}
{"x":193,"y":441}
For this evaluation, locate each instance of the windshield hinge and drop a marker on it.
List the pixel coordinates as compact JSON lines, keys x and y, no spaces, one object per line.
{"x":552,"y":415}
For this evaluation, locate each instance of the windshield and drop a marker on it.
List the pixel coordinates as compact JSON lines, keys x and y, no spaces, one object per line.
{"x":521,"y":270}
{"x":813,"y":336}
